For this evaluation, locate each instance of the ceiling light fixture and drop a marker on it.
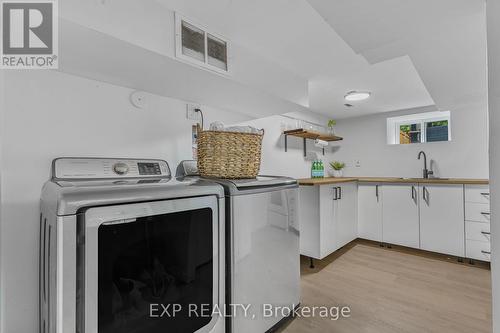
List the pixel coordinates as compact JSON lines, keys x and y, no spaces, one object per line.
{"x":354,"y":96}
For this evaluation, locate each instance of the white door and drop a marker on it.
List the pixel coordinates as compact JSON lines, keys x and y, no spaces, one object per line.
{"x":328,"y":217}
{"x":309,"y":217}
{"x":346,"y":217}
{"x":442,"y":226}
{"x":400,"y":215}
{"x":163,"y":250}
{"x":370,"y":212}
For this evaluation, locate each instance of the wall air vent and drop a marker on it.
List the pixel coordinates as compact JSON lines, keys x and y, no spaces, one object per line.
{"x":198,"y":46}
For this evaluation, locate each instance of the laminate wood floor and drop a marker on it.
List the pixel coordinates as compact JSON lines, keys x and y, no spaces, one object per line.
{"x":390,"y":290}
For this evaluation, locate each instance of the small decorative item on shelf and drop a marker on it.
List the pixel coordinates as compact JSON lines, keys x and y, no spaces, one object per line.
{"x":331,"y":123}
{"x":317,"y":169}
{"x":310,"y":132}
{"x":336,"y":170}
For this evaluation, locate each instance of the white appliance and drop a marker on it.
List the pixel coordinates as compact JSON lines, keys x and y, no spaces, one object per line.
{"x":120,"y":241}
{"x":262,"y":247}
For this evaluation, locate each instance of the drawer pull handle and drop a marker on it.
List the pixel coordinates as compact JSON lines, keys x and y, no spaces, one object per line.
{"x":425,"y":195}
{"x":486,"y":233}
{"x":485,"y":193}
{"x":485,"y":213}
{"x":485,"y":252}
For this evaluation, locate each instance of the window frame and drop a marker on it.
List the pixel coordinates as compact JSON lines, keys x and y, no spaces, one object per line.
{"x":394,"y":125}
{"x":192,"y":61}
{"x":397,"y":128}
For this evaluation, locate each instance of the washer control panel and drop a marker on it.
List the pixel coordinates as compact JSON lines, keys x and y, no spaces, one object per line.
{"x":108,"y":168}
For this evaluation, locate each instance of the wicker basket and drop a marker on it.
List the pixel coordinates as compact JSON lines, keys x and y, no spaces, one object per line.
{"x":228,"y":154}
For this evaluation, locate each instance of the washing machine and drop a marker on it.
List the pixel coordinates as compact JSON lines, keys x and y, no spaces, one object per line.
{"x":262,"y":249}
{"x":124,"y":247}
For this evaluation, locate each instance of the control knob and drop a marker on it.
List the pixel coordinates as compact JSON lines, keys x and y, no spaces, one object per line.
{"x":120,"y":168}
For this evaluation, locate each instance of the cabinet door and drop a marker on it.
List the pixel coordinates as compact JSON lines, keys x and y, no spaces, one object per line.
{"x":328,"y":213}
{"x":400,"y":215}
{"x":309,"y":218}
{"x":346,"y":217}
{"x":370,"y":212}
{"x":442,"y":226}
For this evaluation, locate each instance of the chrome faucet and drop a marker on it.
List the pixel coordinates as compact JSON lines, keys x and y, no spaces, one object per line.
{"x":426,"y":172}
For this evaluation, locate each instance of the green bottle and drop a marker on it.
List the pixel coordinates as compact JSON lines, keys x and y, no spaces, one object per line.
{"x":313,"y":169}
{"x":321,"y":169}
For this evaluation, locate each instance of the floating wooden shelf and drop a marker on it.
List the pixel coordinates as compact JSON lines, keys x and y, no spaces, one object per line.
{"x":302,"y":133}
{"x":305,"y":134}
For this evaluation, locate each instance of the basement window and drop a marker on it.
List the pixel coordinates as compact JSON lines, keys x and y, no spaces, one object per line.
{"x":200,"y":47}
{"x":419,"y":128}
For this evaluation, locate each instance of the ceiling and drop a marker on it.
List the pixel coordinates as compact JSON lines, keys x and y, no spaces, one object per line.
{"x":445,"y":39}
{"x":394,"y":84}
{"x":410,"y":53}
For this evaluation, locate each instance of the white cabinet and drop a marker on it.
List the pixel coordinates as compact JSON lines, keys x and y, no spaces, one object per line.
{"x":442,"y":227}
{"x":477,"y":194}
{"x":400,"y":214}
{"x":370,"y":211}
{"x":477,"y":231}
{"x":310,"y":222}
{"x":328,"y":218}
{"x":477,"y":212}
{"x":478,"y":250}
{"x":477,"y":222}
{"x":443,"y":218}
{"x":346,"y":214}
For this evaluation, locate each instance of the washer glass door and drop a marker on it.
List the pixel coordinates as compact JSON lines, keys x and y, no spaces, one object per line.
{"x":152,"y":269}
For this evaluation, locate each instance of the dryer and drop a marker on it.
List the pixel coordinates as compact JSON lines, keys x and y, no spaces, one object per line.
{"x":126,"y":248}
{"x":262,"y":249}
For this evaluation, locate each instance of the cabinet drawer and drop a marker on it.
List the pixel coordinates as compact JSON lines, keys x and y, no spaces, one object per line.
{"x":477,"y":193}
{"x":478,"y":250}
{"x":477,"y":231}
{"x":478,"y":212}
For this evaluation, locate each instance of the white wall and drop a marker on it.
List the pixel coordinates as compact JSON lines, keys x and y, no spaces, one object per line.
{"x":275,"y":161}
{"x":150,"y":25}
{"x":493,"y":17}
{"x":2,"y":109}
{"x":49,"y":114}
{"x":365,"y":140}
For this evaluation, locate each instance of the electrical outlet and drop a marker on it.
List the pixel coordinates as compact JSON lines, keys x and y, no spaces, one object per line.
{"x":191,"y":113}
{"x":357,"y":164}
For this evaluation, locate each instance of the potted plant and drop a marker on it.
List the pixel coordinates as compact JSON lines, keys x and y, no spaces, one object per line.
{"x":331,"y":123}
{"x":336,"y":170}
